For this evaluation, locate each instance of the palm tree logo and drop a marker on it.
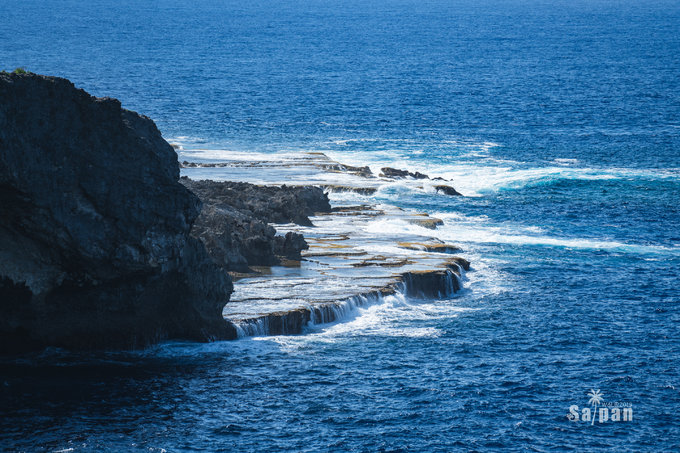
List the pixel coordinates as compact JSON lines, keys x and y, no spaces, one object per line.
{"x":596,"y":398}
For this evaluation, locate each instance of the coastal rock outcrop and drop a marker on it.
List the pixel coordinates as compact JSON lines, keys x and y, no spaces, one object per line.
{"x":425,"y":284}
{"x":394,"y":173}
{"x":389,"y":172}
{"x":447,"y":190}
{"x":234,"y":221}
{"x":364,"y":171}
{"x":95,"y":250}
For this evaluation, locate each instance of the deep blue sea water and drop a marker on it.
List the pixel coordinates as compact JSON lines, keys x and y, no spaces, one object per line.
{"x":560,"y":121}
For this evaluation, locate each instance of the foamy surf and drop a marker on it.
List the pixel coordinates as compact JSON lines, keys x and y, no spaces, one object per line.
{"x":477,"y":174}
{"x":397,"y":316}
{"x":457,"y":228}
{"x":470,"y":166}
{"x":484,"y":177}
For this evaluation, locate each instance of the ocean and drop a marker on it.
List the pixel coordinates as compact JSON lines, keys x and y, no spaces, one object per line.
{"x":559,"y":122}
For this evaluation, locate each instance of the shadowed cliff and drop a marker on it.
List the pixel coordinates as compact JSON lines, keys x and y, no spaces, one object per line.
{"x":94,"y":226}
{"x":234,"y":222}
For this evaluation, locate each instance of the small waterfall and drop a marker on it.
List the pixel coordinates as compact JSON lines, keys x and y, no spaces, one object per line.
{"x":324,"y":314}
{"x":255,"y":327}
{"x":438,"y":284}
{"x":432,"y":284}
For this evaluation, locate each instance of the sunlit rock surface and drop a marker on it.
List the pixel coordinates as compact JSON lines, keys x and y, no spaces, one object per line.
{"x":351,"y":261}
{"x":303,"y":168}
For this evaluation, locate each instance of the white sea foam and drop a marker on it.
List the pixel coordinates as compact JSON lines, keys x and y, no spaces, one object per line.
{"x":471,"y":167}
{"x":396,"y":316}
{"x":473,"y":180}
{"x":565,"y":161}
{"x":474,"y":172}
{"x":457,"y":231}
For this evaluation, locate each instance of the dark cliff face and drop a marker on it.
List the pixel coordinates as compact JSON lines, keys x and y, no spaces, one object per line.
{"x":94,"y":226}
{"x":234,"y":221}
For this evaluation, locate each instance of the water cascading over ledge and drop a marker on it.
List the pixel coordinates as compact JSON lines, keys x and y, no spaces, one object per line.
{"x":437,"y":284}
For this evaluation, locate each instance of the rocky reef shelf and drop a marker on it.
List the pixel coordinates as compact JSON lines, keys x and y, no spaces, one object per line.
{"x":422,"y":284}
{"x":303,"y":168}
{"x":350,"y":261}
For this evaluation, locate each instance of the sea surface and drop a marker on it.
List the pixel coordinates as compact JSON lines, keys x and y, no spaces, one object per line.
{"x":559,"y":121}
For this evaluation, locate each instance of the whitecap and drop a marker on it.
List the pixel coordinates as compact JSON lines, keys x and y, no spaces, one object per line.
{"x":473,"y":231}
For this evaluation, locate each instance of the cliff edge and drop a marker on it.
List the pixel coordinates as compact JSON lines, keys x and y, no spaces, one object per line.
{"x":95,"y":248}
{"x":234,"y":222}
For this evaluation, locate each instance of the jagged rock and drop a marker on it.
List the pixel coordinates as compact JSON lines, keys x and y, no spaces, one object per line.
{"x":290,"y":246}
{"x":393,"y":173}
{"x":388,"y":172}
{"x":235,"y":217}
{"x":341,"y":168}
{"x":334,"y":188}
{"x":284,"y":204}
{"x":94,"y":226}
{"x":447,"y":190}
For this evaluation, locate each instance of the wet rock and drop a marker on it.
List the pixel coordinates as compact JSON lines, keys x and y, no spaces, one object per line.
{"x":426,"y":284}
{"x":430,"y":247}
{"x":458,"y":261}
{"x":281,"y":323}
{"x":447,"y":190}
{"x":234,"y":223}
{"x":356,"y":189}
{"x":348,"y":252}
{"x":353,"y":209}
{"x":388,"y":172}
{"x":393,"y":173}
{"x":95,"y":249}
{"x":427,"y":222}
{"x":431,"y":284}
{"x":186,"y":164}
{"x":383,"y":261}
{"x":341,"y":168}
{"x":290,"y":246}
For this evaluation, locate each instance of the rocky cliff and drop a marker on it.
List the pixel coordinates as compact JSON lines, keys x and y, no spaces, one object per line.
{"x":95,"y":248}
{"x":234,"y":222}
